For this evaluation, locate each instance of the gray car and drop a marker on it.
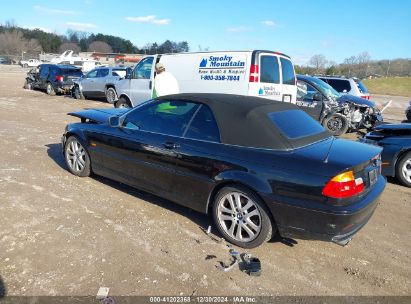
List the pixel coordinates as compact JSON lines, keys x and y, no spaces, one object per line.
{"x":352,"y":86}
{"x":99,"y":83}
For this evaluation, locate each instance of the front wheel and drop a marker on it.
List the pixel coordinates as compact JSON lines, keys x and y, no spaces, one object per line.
{"x":336,"y":124}
{"x":403,"y":169}
{"x":76,"y":93}
{"x":76,"y":157}
{"x":111,"y":95}
{"x":28,"y":85}
{"x":241,"y":217}
{"x":122,"y":103}
{"x":50,"y":90}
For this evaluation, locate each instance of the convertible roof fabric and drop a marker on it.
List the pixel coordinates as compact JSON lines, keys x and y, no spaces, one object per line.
{"x":244,"y":120}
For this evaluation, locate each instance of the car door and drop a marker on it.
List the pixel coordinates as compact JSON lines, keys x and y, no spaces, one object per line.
{"x":88,"y":83}
{"x":100,"y":81}
{"x":289,"y":89}
{"x":141,"y":81}
{"x":142,"y":151}
{"x":306,"y":99}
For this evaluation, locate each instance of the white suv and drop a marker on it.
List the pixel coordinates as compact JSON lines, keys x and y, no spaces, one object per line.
{"x":352,"y":86}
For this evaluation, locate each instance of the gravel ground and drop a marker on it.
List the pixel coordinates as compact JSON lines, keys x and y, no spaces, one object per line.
{"x":64,"y":235}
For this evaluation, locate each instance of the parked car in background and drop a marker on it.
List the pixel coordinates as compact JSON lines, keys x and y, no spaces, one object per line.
{"x":31,"y":63}
{"x":408,"y":112}
{"x":238,"y":158}
{"x":53,"y":78}
{"x":396,"y":155}
{"x":3,"y":60}
{"x":98,"y":83}
{"x":258,"y":73}
{"x":338,"y":113}
{"x":352,"y":86}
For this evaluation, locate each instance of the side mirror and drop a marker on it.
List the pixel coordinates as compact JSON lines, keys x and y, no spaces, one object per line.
{"x":128,"y":73}
{"x":317,"y":97}
{"x":114,"y":121}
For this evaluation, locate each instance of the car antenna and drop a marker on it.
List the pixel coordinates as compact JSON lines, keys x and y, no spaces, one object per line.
{"x":329,"y":150}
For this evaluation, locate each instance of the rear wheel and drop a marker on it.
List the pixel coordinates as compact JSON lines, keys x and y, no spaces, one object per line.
{"x":50,"y":90}
{"x":76,"y":157}
{"x":122,"y":103}
{"x":403,"y":169}
{"x":336,"y":124}
{"x":241,"y":217}
{"x":111,"y":95}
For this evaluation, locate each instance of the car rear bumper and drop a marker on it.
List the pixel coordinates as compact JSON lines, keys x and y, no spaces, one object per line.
{"x":64,"y":88}
{"x":337,"y":225}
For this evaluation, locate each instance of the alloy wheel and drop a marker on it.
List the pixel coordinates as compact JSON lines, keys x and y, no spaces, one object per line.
{"x":76,"y":156}
{"x":406,"y":170}
{"x":239,"y":216}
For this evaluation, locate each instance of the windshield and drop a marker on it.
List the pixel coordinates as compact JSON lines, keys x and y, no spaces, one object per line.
{"x":325,"y":88}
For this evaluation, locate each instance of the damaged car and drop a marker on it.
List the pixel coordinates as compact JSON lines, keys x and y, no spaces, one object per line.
{"x":396,"y":155}
{"x":53,"y":78}
{"x":338,"y":113}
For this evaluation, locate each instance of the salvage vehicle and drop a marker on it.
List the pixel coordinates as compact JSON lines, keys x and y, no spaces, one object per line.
{"x":408,"y":112}
{"x":99,"y":83}
{"x":336,"y":112}
{"x":52,"y":78}
{"x":258,"y":73}
{"x":257,"y":166}
{"x":30,"y":63}
{"x":396,"y":155}
{"x":352,"y":86}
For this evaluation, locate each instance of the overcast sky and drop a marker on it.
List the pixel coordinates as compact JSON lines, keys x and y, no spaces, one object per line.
{"x":300,"y":28}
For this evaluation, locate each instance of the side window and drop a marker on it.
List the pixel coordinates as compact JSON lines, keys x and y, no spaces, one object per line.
{"x":270,"y":70}
{"x":143,"y":69}
{"x":44,"y":71}
{"x":165,"y":117}
{"x":102,"y":72}
{"x":92,"y":74}
{"x":203,"y":126}
{"x":305,"y":91}
{"x":288,"y":71}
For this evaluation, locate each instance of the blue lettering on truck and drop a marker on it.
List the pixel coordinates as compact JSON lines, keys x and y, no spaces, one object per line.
{"x":222,"y":68}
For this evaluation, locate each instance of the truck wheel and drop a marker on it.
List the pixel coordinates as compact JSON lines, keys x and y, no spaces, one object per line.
{"x":50,"y":90}
{"x":111,"y":95}
{"x":336,"y":124}
{"x":122,"y":103}
{"x":403,"y":169}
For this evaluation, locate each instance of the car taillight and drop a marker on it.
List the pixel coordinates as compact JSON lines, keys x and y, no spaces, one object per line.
{"x":59,"y":78}
{"x":365,"y":97}
{"x":254,"y":73}
{"x":344,"y":185}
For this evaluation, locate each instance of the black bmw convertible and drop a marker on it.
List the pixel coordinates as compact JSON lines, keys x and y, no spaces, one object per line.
{"x":258,"y":167}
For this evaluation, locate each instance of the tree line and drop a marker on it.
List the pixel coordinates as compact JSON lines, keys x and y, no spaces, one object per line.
{"x":361,"y":66}
{"x":14,"y":41}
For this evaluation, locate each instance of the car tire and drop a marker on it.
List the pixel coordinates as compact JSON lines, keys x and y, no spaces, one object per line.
{"x":122,"y":103}
{"x":336,"y":124}
{"x":76,"y":157}
{"x":25,"y":65}
{"x":50,"y":90}
{"x":403,"y":169}
{"x":111,"y":95}
{"x":28,"y":85}
{"x":233,"y":222}
{"x":76,"y":93}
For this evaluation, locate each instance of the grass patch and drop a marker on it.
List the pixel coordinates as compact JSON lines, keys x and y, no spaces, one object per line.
{"x":400,"y":86}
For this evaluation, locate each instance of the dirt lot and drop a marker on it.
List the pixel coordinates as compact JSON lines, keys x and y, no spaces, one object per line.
{"x":63,"y":235}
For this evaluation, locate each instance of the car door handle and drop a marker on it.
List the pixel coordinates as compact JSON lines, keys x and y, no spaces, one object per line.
{"x":170,"y":145}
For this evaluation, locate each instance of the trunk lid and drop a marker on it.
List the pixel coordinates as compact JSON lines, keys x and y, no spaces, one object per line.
{"x":98,"y":115}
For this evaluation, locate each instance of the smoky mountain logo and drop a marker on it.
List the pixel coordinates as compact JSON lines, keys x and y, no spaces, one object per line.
{"x":268,"y":90}
{"x":221,"y":62}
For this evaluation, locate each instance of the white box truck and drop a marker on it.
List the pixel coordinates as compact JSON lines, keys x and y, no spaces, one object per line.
{"x":256,"y":73}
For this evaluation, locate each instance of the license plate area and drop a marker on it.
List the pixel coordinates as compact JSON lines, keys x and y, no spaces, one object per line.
{"x":372,"y":176}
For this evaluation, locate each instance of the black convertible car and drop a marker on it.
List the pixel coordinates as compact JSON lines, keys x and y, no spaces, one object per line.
{"x":259,"y":167}
{"x":396,"y":156}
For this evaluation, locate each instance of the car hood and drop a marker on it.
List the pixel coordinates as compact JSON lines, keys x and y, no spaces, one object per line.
{"x":98,"y":115}
{"x":356,"y":100}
